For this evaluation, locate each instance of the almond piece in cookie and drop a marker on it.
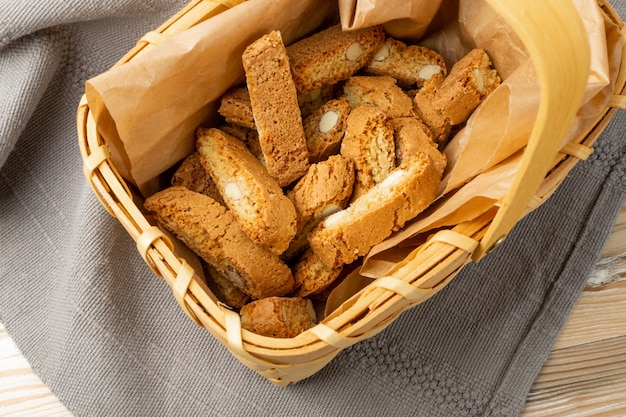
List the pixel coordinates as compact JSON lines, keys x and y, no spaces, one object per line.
{"x":332,"y":55}
{"x":213,"y":233}
{"x":281,"y":317}
{"x":324,"y":129}
{"x":411,"y":65}
{"x":263,"y":211}
{"x":470,"y":81}
{"x":274,"y":102}
{"x":343,"y":237}
{"x":370,"y":144}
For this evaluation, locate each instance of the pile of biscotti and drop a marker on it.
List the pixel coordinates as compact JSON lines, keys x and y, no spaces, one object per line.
{"x":331,"y":145}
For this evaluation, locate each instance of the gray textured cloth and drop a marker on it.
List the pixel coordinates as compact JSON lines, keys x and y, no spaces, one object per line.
{"x":108,"y":337}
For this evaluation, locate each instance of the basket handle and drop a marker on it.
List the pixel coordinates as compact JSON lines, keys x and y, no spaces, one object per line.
{"x":557,"y":42}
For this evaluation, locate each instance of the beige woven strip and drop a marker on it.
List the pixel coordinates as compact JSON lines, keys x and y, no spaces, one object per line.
{"x":145,"y":241}
{"x":97,"y":157}
{"x":90,"y":164}
{"x":577,"y":150}
{"x":618,"y":101}
{"x":465,"y":243}
{"x":403,"y":288}
{"x":180,"y":287}
{"x":332,"y":337}
{"x":153,"y":38}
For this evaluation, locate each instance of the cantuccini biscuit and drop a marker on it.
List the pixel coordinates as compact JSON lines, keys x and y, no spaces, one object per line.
{"x":281,"y":317}
{"x":324,"y":129}
{"x":380,"y":91}
{"x":432,"y":116}
{"x":225,"y":288}
{"x":249,"y":137}
{"x":212,"y":232}
{"x":274,"y":102}
{"x":263,"y":211}
{"x":343,"y":237}
{"x":312,"y":275}
{"x":324,"y":189}
{"x":236,"y":108}
{"x":332,"y":55}
{"x":191,"y":174}
{"x":413,"y":137}
{"x":369,"y":142}
{"x":410,"y":65}
{"x":443,"y":103}
{"x":470,"y":81}
{"x":309,"y":102}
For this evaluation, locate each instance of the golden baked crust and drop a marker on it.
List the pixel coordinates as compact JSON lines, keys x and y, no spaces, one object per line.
{"x":332,"y":55}
{"x":431,"y":115}
{"x":470,"y":81}
{"x":380,"y":91}
{"x":191,"y":174}
{"x":225,"y":288}
{"x":369,"y":143}
{"x":326,"y":188}
{"x":212,"y":232}
{"x":324,"y":129}
{"x":281,"y":317}
{"x":410,"y":65}
{"x":443,"y":103}
{"x":274,"y":102}
{"x":236,"y":108}
{"x":312,"y":275}
{"x":263,"y":211}
{"x":413,"y":137}
{"x":346,"y":235}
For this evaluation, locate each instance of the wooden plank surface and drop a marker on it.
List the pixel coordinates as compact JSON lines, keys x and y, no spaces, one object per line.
{"x":585,"y":374}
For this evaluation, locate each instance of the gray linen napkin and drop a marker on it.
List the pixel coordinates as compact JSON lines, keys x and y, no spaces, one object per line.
{"x":107,"y":336}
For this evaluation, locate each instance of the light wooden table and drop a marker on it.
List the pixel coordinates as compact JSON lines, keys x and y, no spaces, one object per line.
{"x":585,"y":374}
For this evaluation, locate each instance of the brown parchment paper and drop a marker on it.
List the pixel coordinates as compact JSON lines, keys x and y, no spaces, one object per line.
{"x":149,"y":108}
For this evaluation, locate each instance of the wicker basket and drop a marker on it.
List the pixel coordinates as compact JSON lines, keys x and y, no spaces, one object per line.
{"x":562,"y":73}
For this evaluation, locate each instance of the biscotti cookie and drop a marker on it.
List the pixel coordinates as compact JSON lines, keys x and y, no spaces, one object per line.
{"x":413,"y":137}
{"x":249,"y":137}
{"x":236,"y":108}
{"x":312,"y":275}
{"x":281,"y":317}
{"x":191,"y":174}
{"x":432,"y":116}
{"x":332,"y":55}
{"x":324,"y":129}
{"x":444,"y":103}
{"x":370,"y":144}
{"x":470,"y":81}
{"x":263,"y":211}
{"x":344,"y":236}
{"x":274,"y":102}
{"x":410,"y":65}
{"x":225,"y":288}
{"x":380,"y":91}
{"x":324,"y":189}
{"x":212,"y":232}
